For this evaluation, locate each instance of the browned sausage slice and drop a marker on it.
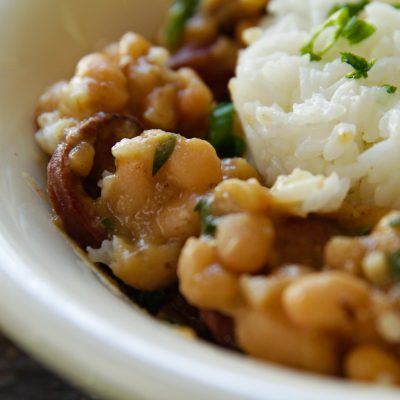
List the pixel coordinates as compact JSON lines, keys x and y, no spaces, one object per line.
{"x":72,"y":197}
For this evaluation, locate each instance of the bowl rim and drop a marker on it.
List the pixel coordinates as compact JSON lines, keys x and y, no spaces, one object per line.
{"x":212,"y":368}
{"x":81,"y":343}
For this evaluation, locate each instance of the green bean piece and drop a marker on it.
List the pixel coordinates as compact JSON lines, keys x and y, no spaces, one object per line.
{"x":178,"y":14}
{"x":221,"y":132}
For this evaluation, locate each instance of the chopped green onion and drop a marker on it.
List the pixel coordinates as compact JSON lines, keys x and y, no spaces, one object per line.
{"x":178,"y":14}
{"x":107,"y":224}
{"x":337,"y":21}
{"x":396,"y":5}
{"x":395,"y":223}
{"x":221,"y":132}
{"x":173,"y":321}
{"x":360,"y":64}
{"x":357,"y":30}
{"x":354,"y":8}
{"x":344,"y":25}
{"x":163,"y":152}
{"x":239,"y":146}
{"x":393,"y":260}
{"x":365,"y":231}
{"x":208,"y":221}
{"x":390,"y":89}
{"x":309,"y":49}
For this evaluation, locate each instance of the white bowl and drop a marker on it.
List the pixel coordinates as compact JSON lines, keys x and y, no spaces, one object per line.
{"x":50,"y":302}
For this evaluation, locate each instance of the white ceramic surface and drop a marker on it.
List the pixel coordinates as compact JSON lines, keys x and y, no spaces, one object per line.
{"x":50,"y":303}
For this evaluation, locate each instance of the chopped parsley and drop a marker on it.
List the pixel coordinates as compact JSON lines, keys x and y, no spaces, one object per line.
{"x":107,"y":224}
{"x":221,"y":132}
{"x":341,"y":24}
{"x":163,"y":152}
{"x":354,"y":8}
{"x":390,"y":89}
{"x":208,"y":221}
{"x":360,"y":64}
{"x":393,"y":260}
{"x":178,"y":14}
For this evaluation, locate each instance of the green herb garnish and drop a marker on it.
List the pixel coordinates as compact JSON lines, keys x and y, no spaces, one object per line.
{"x":342,"y":24}
{"x":174,"y":321}
{"x":390,"y":89}
{"x":178,"y":14}
{"x":354,"y":8}
{"x":221,"y":132}
{"x":395,"y":222}
{"x":107,"y":224}
{"x":393,"y":260}
{"x":208,"y":221}
{"x":163,"y":152}
{"x":360,"y":64}
{"x":151,"y":301}
{"x":396,"y":5}
{"x":365,"y":231}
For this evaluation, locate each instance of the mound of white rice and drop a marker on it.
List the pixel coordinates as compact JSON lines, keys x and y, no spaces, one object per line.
{"x":308,"y":115}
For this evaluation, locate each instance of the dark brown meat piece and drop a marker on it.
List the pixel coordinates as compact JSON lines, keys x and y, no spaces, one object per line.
{"x":177,"y":310}
{"x":302,"y":241}
{"x":70,"y":202}
{"x":209,"y":325}
{"x":209,"y":64}
{"x":221,"y":328}
{"x":72,"y":197}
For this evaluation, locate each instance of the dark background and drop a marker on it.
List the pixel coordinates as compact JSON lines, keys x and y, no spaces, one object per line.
{"x":21,"y":378}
